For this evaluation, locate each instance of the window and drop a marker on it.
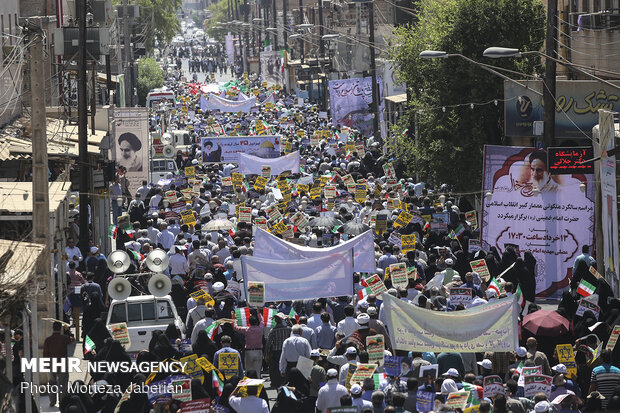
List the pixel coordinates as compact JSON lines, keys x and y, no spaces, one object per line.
{"x":119,"y":313}
{"x":134,"y":312}
{"x":159,"y":166}
{"x":148,"y":311}
{"x":170,"y":165}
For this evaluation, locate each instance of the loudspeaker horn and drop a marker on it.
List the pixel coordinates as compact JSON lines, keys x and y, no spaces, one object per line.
{"x":168,"y":151}
{"x":160,"y":285}
{"x":118,"y":261}
{"x":119,"y":288}
{"x":166,"y":139}
{"x":157,"y":260}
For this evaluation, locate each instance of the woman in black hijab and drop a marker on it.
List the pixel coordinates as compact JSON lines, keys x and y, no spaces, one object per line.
{"x":91,"y":312}
{"x":114,"y":351}
{"x":172,"y":332}
{"x":527,"y":280}
{"x":582,"y":272}
{"x":138,"y":402}
{"x":581,"y":325}
{"x":569,"y":305}
{"x":298,"y":385}
{"x":204,"y":346}
{"x":154,"y":335}
{"x":98,"y":333}
{"x":198,"y":391}
{"x":164,"y":350}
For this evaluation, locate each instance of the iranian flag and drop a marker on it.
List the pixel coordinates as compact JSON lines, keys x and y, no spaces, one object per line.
{"x":585,"y":289}
{"x":292,"y":314}
{"x":218,"y":384}
{"x":494,"y":285}
{"x":112,"y":231}
{"x":268,"y":317}
{"x":520,"y":367}
{"x":212,"y":330}
{"x":519,"y":295}
{"x":243,"y":316}
{"x":89,"y":345}
{"x":245,"y":187}
{"x":459,"y":230}
{"x":136,"y":255}
{"x":363,"y":293}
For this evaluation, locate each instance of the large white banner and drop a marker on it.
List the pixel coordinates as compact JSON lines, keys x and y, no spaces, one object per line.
{"x":224,"y":105}
{"x":227,"y":148}
{"x":270,"y":246}
{"x":488,"y":327}
{"x":328,"y":276}
{"x":349,"y":100}
{"x":609,"y":212}
{"x":550,"y":216}
{"x":253,"y":165}
{"x":131,"y":126}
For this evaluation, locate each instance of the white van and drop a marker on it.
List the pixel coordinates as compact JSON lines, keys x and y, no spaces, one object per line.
{"x":143,"y":315}
{"x":161,"y":167}
{"x":155,"y":95}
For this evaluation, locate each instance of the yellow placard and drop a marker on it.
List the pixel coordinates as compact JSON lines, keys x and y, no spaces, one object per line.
{"x":237,"y":178}
{"x":192,"y":369}
{"x":190,"y":171}
{"x":228,"y":364}
{"x":260,"y":182}
{"x":566,"y":356}
{"x":188,"y":217}
{"x":404,"y":218}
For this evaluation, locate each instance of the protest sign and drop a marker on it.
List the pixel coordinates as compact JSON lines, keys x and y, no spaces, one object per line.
{"x":594,"y":272}
{"x":425,"y":401}
{"x":429,"y":370}
{"x":171,"y":196}
{"x":303,"y":188}
{"x":181,"y":386}
{"x":350,"y":372}
{"x":381,"y":224}
{"x":237,"y":178}
{"x":192,"y":368}
{"x":472,"y":219}
{"x":460,"y":295}
{"x":394,"y":239}
{"x":208,"y":367}
{"x":537,"y":383}
{"x":190,"y":171}
{"x":304,"y":365}
{"x":457,"y":400}
{"x":196,"y":406}
{"x":585,"y":305}
{"x":375,"y":346}
{"x":488,"y":327}
{"x":388,"y":168}
{"x":329,"y":191}
{"x":256,"y":293}
{"x":404,"y":218}
{"x":315,"y":192}
{"x":273,"y":213}
{"x":360,"y":193}
{"x":342,"y":409}
{"x":407,"y":243}
{"x":566,"y":356}
{"x":228,"y":364}
{"x":184,"y":345}
{"x":392,"y":365}
{"x":120,"y":332}
{"x":260,"y":182}
{"x":472,"y":409}
{"x":363,"y":371}
{"x":299,"y":220}
{"x":412,"y":273}
{"x":528,"y":371}
{"x":261,"y":222}
{"x":265,"y":171}
{"x":398,"y":274}
{"x":245,"y":214}
{"x":613,"y":338}
{"x":188,"y":217}
{"x":376,"y":285}
{"x":227,"y":181}
{"x":493,"y":385}
{"x":474,"y":245}
{"x":480,"y":266}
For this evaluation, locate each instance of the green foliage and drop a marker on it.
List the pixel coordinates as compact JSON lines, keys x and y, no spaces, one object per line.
{"x":150,"y":76}
{"x":167,"y":24}
{"x":451,"y":142}
{"x":218,"y":13}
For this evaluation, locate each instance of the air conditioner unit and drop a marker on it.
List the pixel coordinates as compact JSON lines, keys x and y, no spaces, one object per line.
{"x":66,"y":41}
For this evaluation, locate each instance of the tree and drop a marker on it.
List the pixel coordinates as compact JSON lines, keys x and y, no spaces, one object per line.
{"x":218,"y":18}
{"x":167,"y":23}
{"x":451,"y":135}
{"x":150,"y":76}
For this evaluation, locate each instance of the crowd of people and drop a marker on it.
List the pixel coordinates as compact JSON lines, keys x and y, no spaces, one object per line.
{"x":330,"y":331}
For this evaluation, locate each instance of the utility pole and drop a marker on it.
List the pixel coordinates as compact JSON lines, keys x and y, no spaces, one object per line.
{"x":373,"y":71}
{"x":550,"y":74}
{"x":285,"y":22}
{"x":301,"y":40}
{"x":83,"y":126}
{"x":322,"y":54}
{"x":126,"y":54}
{"x":275,"y":25}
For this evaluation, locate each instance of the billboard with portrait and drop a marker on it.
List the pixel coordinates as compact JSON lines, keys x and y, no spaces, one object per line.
{"x":271,"y":68}
{"x":550,"y":216}
{"x":350,"y":100}
{"x":131,"y":144}
{"x":226,"y":148}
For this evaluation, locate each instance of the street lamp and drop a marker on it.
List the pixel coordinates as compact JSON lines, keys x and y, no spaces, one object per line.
{"x":332,"y":36}
{"x":294,"y":36}
{"x":305,"y":25}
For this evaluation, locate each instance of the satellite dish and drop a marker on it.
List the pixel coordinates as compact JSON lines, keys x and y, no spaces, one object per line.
{"x":157,"y":260}
{"x":118,"y":261}
{"x":166,"y":139}
{"x":168,"y":151}
{"x":160,"y":285}
{"x":119,"y":288}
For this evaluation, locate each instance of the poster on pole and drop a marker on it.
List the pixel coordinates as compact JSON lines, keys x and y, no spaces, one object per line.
{"x":271,"y":68}
{"x":549,"y":216}
{"x":226,"y":148}
{"x":131,"y":144}
{"x":350,"y":100}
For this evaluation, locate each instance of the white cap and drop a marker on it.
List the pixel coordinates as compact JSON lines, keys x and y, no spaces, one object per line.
{"x":332,"y":373}
{"x":218,"y":286}
{"x":194,"y":161}
{"x":315,"y":353}
{"x":363,"y":319}
{"x":93,"y":250}
{"x":542,"y":406}
{"x":356,"y":389}
{"x":452,"y":372}
{"x":486,"y":364}
{"x":560,"y":368}
{"x":521,"y":352}
{"x":449,"y":261}
{"x":351,"y":350}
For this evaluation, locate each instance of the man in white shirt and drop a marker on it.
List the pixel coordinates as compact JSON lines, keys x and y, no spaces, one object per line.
{"x":143,"y":191}
{"x":174,"y":228}
{"x":249,"y":404}
{"x":204,"y":323}
{"x":178,"y":264}
{"x":152,"y":232}
{"x":292,"y":348}
{"x":330,"y":393}
{"x":349,"y":325}
{"x":165,"y":237}
{"x":314,"y":321}
{"x":73,"y":253}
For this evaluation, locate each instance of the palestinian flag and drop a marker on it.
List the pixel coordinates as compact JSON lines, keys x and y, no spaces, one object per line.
{"x":520,"y":298}
{"x":459,"y":230}
{"x":292,"y":314}
{"x":218,"y":384}
{"x":89,"y":345}
{"x":112,"y":231}
{"x":585,"y":289}
{"x":243,"y":316}
{"x":212,"y":330}
{"x":494,"y":285}
{"x":268,"y":317}
{"x":363,"y":293}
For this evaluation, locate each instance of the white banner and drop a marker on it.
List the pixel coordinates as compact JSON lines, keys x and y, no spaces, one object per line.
{"x":328,"y":276}
{"x":230,"y":49}
{"x":224,"y":105}
{"x":363,"y":245}
{"x":227,"y":148}
{"x":549,"y":216}
{"x":488,"y":327}
{"x":253,"y":165}
{"x":609,"y":212}
{"x":131,"y":144}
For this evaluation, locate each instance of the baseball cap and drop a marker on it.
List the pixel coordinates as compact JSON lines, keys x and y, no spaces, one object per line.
{"x":315,"y":353}
{"x":372,"y":310}
{"x":542,"y":406}
{"x":356,"y":389}
{"x":218,"y":286}
{"x":363,"y":319}
{"x":351,"y":350}
{"x":560,"y":368}
{"x":452,"y":372}
{"x":93,"y":250}
{"x":332,"y":373}
{"x":521,"y":352}
{"x":486,"y":364}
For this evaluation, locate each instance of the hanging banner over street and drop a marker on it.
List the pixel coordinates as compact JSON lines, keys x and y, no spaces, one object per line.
{"x":271,"y":68}
{"x":272,"y":247}
{"x":349,"y":103}
{"x":488,"y":327}
{"x":131,"y":126}
{"x":330,"y":276}
{"x":216,"y":102}
{"x":253,"y":165}
{"x":227,"y":148}
{"x":546,"y":215}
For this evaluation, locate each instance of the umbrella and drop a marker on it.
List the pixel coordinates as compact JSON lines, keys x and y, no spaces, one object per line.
{"x":219,"y":224}
{"x":324,"y":222}
{"x":545,"y":323}
{"x":355,"y":228}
